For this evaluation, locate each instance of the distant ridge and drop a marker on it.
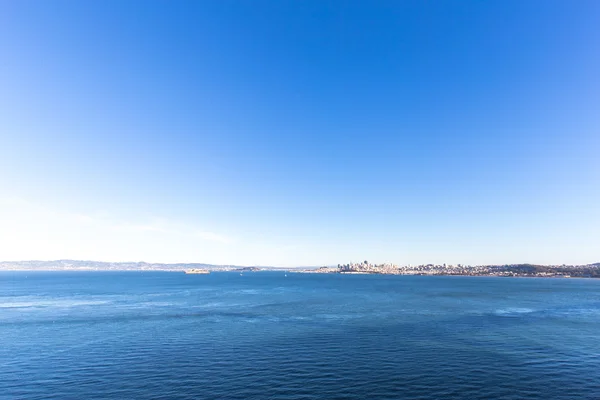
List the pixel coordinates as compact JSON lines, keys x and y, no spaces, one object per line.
{"x":88,"y":265}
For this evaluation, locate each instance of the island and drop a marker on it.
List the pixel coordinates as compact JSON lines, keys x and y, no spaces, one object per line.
{"x":197,"y":271}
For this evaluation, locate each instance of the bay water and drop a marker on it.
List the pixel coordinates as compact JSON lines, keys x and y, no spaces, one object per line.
{"x":271,"y":335}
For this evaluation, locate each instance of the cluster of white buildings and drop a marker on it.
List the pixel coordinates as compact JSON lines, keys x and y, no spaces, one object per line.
{"x":366,"y":268}
{"x":590,"y":271}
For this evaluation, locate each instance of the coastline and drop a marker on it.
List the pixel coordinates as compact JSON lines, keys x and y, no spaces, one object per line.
{"x":292,"y":271}
{"x":587,"y":271}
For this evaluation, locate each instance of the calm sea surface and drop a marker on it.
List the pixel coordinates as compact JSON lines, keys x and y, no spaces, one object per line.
{"x":152,"y":335}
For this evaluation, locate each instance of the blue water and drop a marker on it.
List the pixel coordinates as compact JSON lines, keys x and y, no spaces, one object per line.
{"x":152,"y":335}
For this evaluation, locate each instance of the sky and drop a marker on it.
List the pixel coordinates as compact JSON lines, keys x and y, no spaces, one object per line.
{"x":300,"y":133}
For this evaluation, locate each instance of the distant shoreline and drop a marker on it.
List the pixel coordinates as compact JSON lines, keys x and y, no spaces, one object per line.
{"x":363,"y":268}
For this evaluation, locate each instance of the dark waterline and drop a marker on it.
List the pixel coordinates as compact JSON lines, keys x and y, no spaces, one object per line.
{"x":73,"y":335}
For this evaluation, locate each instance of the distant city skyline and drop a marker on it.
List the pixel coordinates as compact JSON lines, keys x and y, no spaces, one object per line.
{"x":300,"y":133}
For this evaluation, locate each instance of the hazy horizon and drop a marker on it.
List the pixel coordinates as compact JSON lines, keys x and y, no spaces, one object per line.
{"x":291,"y":266}
{"x":300,"y":133}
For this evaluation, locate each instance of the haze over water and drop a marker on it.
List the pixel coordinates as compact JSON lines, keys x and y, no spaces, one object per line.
{"x":154,"y":335}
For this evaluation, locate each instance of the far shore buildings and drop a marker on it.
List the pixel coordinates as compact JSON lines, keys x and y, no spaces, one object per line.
{"x":508,"y":270}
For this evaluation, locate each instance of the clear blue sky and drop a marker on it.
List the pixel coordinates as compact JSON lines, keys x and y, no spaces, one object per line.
{"x":300,"y":132}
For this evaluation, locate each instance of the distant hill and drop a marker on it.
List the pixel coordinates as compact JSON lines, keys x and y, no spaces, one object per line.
{"x":72,"y":265}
